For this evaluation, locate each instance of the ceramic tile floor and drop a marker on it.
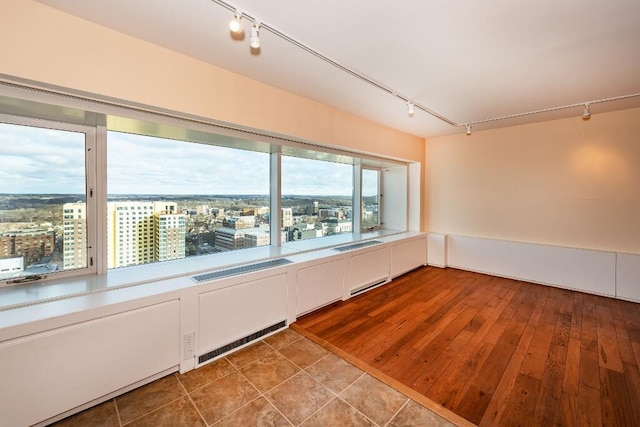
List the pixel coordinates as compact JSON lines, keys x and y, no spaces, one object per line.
{"x":283,"y":380}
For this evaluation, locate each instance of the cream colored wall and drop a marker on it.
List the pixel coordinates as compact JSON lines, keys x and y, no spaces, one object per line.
{"x":45,"y":45}
{"x":565,"y":182}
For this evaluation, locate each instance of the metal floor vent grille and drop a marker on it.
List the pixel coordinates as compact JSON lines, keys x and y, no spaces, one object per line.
{"x":217,"y":352}
{"x":242,"y":269}
{"x":366,"y":288}
{"x":357,"y":245}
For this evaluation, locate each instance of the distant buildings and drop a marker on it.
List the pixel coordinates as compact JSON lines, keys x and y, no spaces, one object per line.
{"x":74,"y":244}
{"x":32,"y":245}
{"x":143,"y":232}
{"x":240,"y":232}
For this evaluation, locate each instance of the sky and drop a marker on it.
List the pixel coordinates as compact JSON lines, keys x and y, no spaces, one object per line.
{"x":43,"y":161}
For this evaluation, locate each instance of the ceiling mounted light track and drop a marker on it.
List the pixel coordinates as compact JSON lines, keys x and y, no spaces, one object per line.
{"x":392,"y":92}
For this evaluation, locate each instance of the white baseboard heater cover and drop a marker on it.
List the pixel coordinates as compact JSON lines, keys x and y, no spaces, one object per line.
{"x":240,"y":342}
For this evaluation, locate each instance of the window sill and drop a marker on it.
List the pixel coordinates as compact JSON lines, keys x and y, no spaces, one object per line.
{"x":36,"y":293}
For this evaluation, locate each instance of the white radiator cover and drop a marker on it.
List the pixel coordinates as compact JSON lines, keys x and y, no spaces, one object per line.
{"x":367,"y":268}
{"x":408,"y":255}
{"x":319,"y":285}
{"x":230,"y":313}
{"x":581,"y":269}
{"x":52,"y":372}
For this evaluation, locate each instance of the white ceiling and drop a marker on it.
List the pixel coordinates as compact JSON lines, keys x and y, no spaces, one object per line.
{"x":467,"y":60}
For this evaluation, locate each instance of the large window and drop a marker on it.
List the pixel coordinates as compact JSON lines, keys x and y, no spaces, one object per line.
{"x":44,"y":214}
{"x":317,"y":198}
{"x":170,"y":199}
{"x":84,"y":191}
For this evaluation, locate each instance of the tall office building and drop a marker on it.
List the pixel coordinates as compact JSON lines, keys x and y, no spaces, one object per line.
{"x":74,"y":243}
{"x":287,"y":218}
{"x":143,"y":232}
{"x":169,"y":236}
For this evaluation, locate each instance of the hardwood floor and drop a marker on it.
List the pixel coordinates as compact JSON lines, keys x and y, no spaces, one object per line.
{"x":496,"y":351}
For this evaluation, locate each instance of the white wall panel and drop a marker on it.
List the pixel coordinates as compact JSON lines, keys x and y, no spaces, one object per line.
{"x":628,"y":277}
{"x":234,"y":312}
{"x":408,"y":255}
{"x":581,"y":269}
{"x":367,"y":268}
{"x":319,"y":285}
{"x":437,"y":250}
{"x":52,"y":372}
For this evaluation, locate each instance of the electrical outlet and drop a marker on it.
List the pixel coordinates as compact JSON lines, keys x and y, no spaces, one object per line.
{"x":188,"y":344}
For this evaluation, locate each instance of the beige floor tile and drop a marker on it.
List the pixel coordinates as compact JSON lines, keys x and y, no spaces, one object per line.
{"x":103,"y":415}
{"x":178,"y":413}
{"x":269,"y":371}
{"x":414,"y":414}
{"x":303,"y":352}
{"x":249,"y":354}
{"x":335,"y":373}
{"x":338,"y":413}
{"x":283,"y":338}
{"x":220,"y":398}
{"x":299,"y":397}
{"x":373,"y":398}
{"x":205,"y":374}
{"x":145,"y":399}
{"x":257,"y":413}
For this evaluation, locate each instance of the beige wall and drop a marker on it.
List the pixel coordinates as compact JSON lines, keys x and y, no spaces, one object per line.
{"x":45,"y":45}
{"x":565,"y":182}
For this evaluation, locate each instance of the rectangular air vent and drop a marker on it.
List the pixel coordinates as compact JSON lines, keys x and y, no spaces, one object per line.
{"x":367,"y":287}
{"x":240,"y":270}
{"x":357,"y":245}
{"x":225,"y":348}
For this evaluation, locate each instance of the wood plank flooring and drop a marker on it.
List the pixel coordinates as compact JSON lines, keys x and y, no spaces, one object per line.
{"x":496,"y":351}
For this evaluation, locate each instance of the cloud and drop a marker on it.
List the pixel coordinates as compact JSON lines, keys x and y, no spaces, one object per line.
{"x":37,"y":160}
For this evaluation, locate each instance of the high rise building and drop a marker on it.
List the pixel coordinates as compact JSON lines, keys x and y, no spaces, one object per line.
{"x":143,"y":232}
{"x":74,"y":243}
{"x":169,"y":236}
{"x":287,"y":218}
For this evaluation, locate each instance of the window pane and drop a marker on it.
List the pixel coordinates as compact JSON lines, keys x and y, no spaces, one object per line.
{"x":316,"y":198}
{"x":43,"y":215}
{"x":172,"y":199}
{"x":370,"y":198}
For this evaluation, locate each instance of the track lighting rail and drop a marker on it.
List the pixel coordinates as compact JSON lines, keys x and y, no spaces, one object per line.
{"x":409,"y":102}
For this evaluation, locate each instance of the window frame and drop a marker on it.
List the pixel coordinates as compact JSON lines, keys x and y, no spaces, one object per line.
{"x":91,"y":196}
{"x":38,"y":102}
{"x":380,"y":220}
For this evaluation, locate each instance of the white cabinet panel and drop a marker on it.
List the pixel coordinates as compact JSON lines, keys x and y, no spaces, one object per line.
{"x":408,"y":255}
{"x":628,"y":277}
{"x":368,"y":268}
{"x":437,"y":250}
{"x":319,"y":285}
{"x":49,"y":373}
{"x":580,"y":269}
{"x":228,"y":314}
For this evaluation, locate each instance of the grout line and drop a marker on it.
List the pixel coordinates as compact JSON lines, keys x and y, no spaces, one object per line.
{"x":194,"y":403}
{"x":115,"y":404}
{"x":210,"y":382}
{"x":406,"y":402}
